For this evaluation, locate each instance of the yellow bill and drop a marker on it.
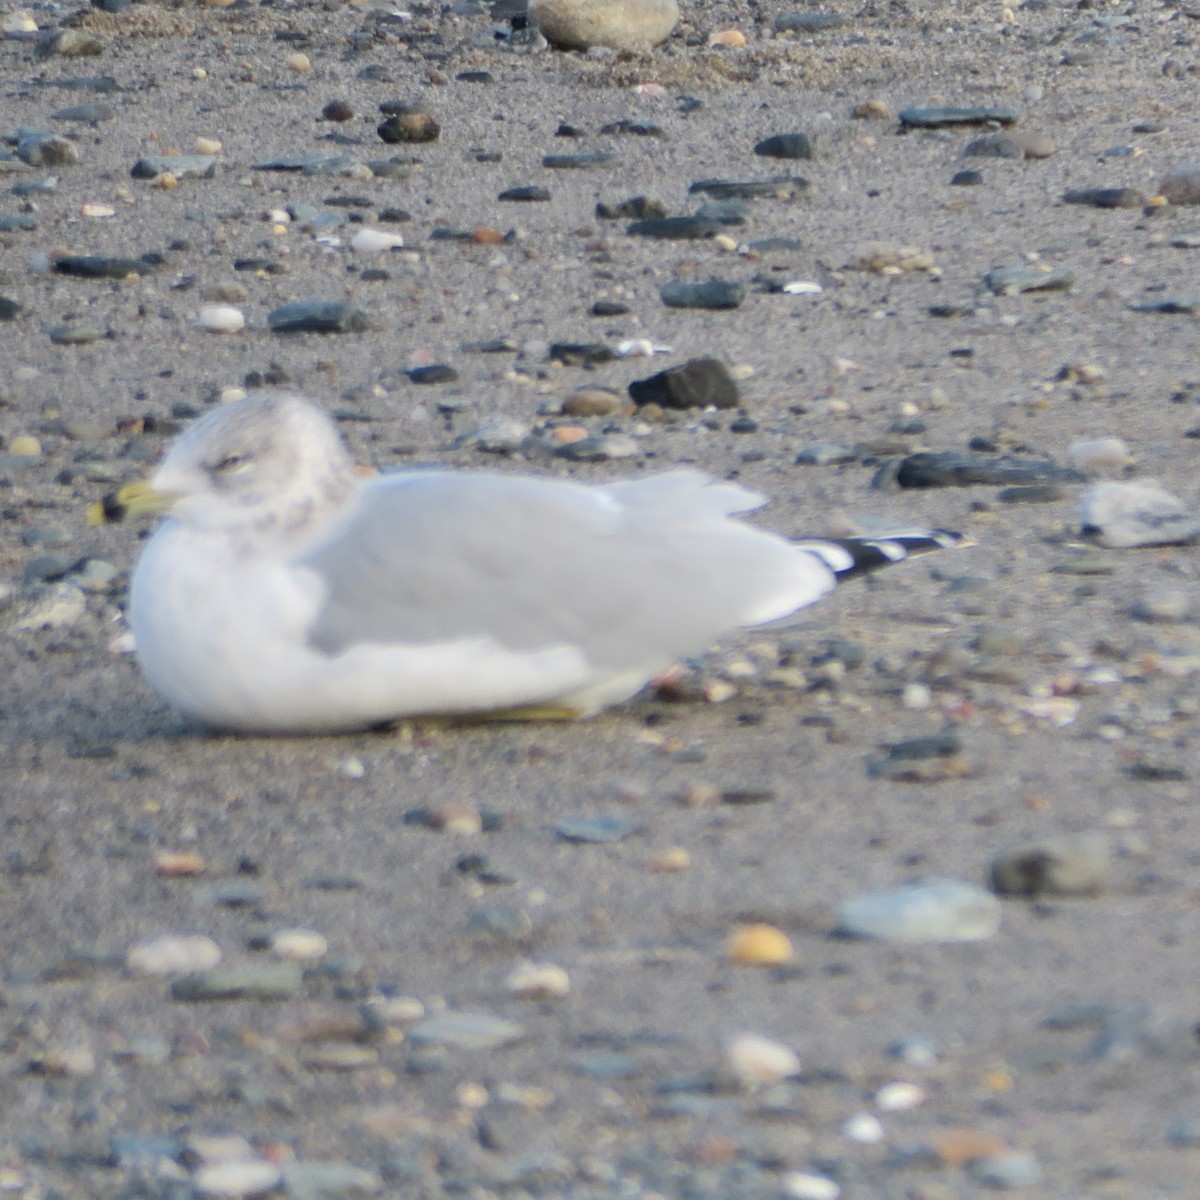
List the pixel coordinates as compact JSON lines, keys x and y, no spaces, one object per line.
{"x":133,"y":500}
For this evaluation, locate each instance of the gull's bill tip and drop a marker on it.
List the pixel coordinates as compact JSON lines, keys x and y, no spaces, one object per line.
{"x":133,"y":500}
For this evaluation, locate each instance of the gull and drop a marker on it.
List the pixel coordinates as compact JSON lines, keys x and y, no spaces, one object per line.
{"x":287,"y":594}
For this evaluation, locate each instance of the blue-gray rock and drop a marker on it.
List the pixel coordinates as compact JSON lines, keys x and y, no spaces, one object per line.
{"x":318,"y":316}
{"x":674,"y":229}
{"x":100,"y":266}
{"x":1008,"y":281}
{"x":597,"y":829}
{"x":465,"y":1030}
{"x":89,"y":114}
{"x":1105,"y":197}
{"x":698,"y":383}
{"x":939,"y":116}
{"x":810,"y":22}
{"x":182,"y":166}
{"x":942,"y":911}
{"x":1183,"y":306}
{"x":306,"y":164}
{"x":567,"y":162}
{"x":19,"y":223}
{"x":785,"y":145}
{"x":1012,"y":1169}
{"x":963,"y":468}
{"x":530,"y":193}
{"x":38,"y":149}
{"x":780,"y":187}
{"x":711,"y":294}
{"x":262,"y":980}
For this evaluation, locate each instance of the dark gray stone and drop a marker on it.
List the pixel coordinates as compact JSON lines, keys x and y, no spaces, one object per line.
{"x":318,"y":316}
{"x":700,"y":383}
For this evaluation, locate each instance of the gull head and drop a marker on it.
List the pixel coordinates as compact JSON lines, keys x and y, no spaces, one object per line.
{"x":269,"y":464}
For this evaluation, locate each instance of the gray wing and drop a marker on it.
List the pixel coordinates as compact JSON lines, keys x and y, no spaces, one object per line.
{"x":643,"y":572}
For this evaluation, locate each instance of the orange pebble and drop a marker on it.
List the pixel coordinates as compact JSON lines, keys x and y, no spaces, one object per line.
{"x":760,"y":946}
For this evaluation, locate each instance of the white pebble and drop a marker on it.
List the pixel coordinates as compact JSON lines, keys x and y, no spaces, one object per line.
{"x":373,"y":241}
{"x":299,"y":945}
{"x":802,"y":287}
{"x":221,"y":318}
{"x":208,"y":146}
{"x":538,"y":981}
{"x":173,"y":954}
{"x":803,"y":1185}
{"x":233,"y":1180}
{"x":899,"y":1096}
{"x":917,"y":696}
{"x":864,"y":1128}
{"x":1098,"y":456}
{"x":755,"y":1059}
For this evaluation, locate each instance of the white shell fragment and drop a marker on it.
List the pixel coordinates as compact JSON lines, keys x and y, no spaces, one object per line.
{"x":375,"y":241}
{"x":221,"y":318}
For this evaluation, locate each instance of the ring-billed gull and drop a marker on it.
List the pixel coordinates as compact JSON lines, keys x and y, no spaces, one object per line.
{"x":287,"y":594}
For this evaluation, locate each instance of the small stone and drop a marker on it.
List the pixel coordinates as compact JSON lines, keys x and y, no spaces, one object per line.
{"x":266,"y":980}
{"x":221,"y":318}
{"x":781,"y":187}
{"x":617,"y":24}
{"x":433,"y":373}
{"x":25,"y":445}
{"x":1181,"y":185}
{"x":54,"y":607}
{"x":636,"y":208}
{"x":375,"y":241}
{"x":1013,"y":1169}
{"x":466,"y":1030}
{"x":674,"y":229}
{"x":1163,"y":602}
{"x":727,"y":39}
{"x":955,"y":1147}
{"x":68,"y":43}
{"x":805,"y":1185}
{"x":1099,"y":456}
{"x":234,"y":1180}
{"x":756,"y":1060}
{"x":299,"y":945}
{"x":410,"y":126}
{"x":712,"y":294}
{"x":945,"y":911}
{"x":1016,"y":143}
{"x":954,"y":468}
{"x":760,"y":946}
{"x":299,"y":62}
{"x":173,"y":954}
{"x":179,"y":864}
{"x":864,"y":1128}
{"x":1124,"y":515}
{"x":101,"y":266}
{"x":597,"y":830}
{"x":538,"y":981}
{"x":1184,"y":1133}
{"x":966,"y":179}
{"x":338,"y":110}
{"x":699,"y":383}
{"x":207,"y":146}
{"x":886,"y":259}
{"x":530,"y":194}
{"x":180,"y":166}
{"x":578,"y":162}
{"x":595,"y":402}
{"x":786,"y":145}
{"x":1116,"y":197}
{"x":938,"y":117}
{"x":329,"y":1181}
{"x":670,"y":862}
{"x":46,"y":150}
{"x":318,"y":316}
{"x":810,"y":22}
{"x":1063,"y":865}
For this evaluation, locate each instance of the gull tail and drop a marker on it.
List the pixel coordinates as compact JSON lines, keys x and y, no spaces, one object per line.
{"x":849,"y":558}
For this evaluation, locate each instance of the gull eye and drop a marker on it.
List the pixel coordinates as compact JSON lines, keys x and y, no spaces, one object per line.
{"x":232,"y":464}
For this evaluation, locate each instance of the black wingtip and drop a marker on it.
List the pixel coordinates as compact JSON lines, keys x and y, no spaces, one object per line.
{"x":854,"y":556}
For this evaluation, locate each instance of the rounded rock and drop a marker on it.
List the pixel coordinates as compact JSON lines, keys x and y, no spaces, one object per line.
{"x":757,"y":1060}
{"x":617,"y":24}
{"x":221,"y":318}
{"x":760,"y":946}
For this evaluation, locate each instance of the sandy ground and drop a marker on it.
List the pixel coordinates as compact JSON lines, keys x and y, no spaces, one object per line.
{"x":100,"y":779}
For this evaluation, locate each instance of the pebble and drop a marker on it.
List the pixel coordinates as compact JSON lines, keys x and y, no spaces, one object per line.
{"x":101,"y":266}
{"x":68,"y":43}
{"x":810,"y":22}
{"x":1018,"y":143}
{"x":698,"y":383}
{"x":1009,"y":281}
{"x":805,"y":1185}
{"x":760,"y":946}
{"x":1124,"y":515}
{"x":265,"y":980}
{"x":233,"y":1180}
{"x":617,"y":24}
{"x":597,"y":830}
{"x":900,"y":1096}
{"x":939,"y":117}
{"x":221,"y":318}
{"x":712,"y":294}
{"x":37,"y":149}
{"x":527,"y":194}
{"x":638,"y":208}
{"x":1099,"y":456}
{"x":299,"y":945}
{"x":1013,"y":1169}
{"x":318,"y":316}
{"x":538,"y":981}
{"x":579,"y":162}
{"x":674,"y":229}
{"x":173,"y":954}
{"x":330,"y":1181}
{"x":179,"y":166}
{"x":1163,"y":602}
{"x":56,"y":606}
{"x":757,"y":1061}
{"x":780,"y":187}
{"x":864,"y":1128}
{"x":1172,"y":306}
{"x":496,"y":435}
{"x":786,"y":145}
{"x":595,"y":402}
{"x":887,"y":259}
{"x":1100,"y":197}
{"x":1181,"y":184}
{"x":466,"y":1031}
{"x":943,"y":911}
{"x":1060,"y":865}
{"x":374,"y":241}
{"x":1184,"y":1133}
{"x":963,"y":468}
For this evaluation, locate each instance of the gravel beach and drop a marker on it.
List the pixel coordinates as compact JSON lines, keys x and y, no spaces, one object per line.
{"x":899,"y":900}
